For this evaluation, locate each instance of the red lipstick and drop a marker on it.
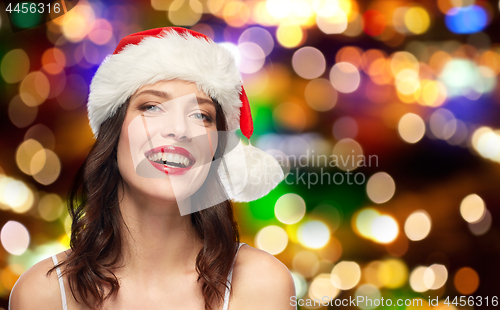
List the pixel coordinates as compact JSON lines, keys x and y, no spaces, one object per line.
{"x":170,"y":167}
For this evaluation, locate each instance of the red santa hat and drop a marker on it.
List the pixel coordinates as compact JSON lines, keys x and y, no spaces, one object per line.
{"x":167,"y":53}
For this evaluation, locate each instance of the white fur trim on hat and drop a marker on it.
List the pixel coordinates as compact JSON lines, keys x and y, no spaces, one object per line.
{"x":209,"y":65}
{"x":249,"y":173}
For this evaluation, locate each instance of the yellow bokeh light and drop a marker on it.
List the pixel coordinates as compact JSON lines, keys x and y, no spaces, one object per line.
{"x":290,"y":208}
{"x":160,"y":5}
{"x":21,"y":193}
{"x":9,"y":276}
{"x":308,"y":62}
{"x":477,"y":134}
{"x":417,"y":20}
{"x":347,"y":153}
{"x":15,"y":66}
{"x":370,"y":273}
{"x":260,"y":14}
{"x":184,"y":12}
{"x":346,"y":275}
{"x":313,"y":234}
{"x":236,"y":13}
{"x":289,"y":35}
{"x":369,"y":57}
{"x":67,"y":224}
{"x":472,"y":208}
{"x":418,"y":225}
{"x":20,"y":114}
{"x":38,"y":161}
{"x":279,"y":8}
{"x":403,"y":60}
{"x":290,"y":115}
{"x":407,"y":81}
{"x":34,"y":89}
{"x":301,"y":13}
{"x":438,"y":60}
{"x":331,"y":19}
{"x":363,"y":222}
{"x":417,"y":279}
{"x":411,"y":98}
{"x":322,"y":286}
{"x":490,"y":59}
{"x":380,"y":187}
{"x":25,"y":153}
{"x":355,"y":25}
{"x":306,"y":263}
{"x":41,"y":134}
{"x":272,"y":239}
{"x":255,"y":83}
{"x":65,"y":241}
{"x":50,"y":207}
{"x":488,"y":145}
{"x":78,"y":22}
{"x":385,"y":229}
{"x":433,"y":93}
{"x":411,"y":128}
{"x":331,"y":252}
{"x":320,"y":95}
{"x":439,"y":275}
{"x":345,"y":77}
{"x":392,"y":273}
{"x":51,"y":168}
{"x":380,"y":71}
{"x":15,"y":194}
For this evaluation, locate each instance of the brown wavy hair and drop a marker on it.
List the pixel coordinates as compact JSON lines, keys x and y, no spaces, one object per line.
{"x":97,"y":222}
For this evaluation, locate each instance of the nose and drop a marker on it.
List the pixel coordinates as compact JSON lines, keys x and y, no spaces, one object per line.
{"x":176,"y":127}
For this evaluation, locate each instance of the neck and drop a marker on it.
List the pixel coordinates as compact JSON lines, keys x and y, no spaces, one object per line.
{"x":157,"y":240}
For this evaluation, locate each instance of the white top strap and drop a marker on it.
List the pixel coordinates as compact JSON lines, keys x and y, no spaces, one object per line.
{"x":229,"y":278}
{"x":61,"y":284}
{"x":12,"y":290}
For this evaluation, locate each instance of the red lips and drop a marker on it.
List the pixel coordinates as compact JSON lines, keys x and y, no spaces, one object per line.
{"x":172,"y":150}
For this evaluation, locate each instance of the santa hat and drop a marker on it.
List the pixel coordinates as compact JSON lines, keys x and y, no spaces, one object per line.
{"x":167,"y":53}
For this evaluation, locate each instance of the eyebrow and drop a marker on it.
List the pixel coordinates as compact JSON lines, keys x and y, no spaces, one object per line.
{"x":168,"y":96}
{"x":156,"y":93}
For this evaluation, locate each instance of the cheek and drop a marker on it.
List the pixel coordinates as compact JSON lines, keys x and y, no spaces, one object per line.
{"x":123,"y":151}
{"x":213,"y":141}
{"x":120,"y":154}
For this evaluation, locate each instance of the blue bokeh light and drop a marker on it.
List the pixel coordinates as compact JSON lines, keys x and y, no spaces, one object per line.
{"x":469,"y":19}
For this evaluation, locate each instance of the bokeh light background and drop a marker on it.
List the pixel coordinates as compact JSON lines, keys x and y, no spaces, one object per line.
{"x":412,"y":84}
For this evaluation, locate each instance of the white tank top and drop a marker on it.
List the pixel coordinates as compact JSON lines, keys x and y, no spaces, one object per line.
{"x":63,"y":292}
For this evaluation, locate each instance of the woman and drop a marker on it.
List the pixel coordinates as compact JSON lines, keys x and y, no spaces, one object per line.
{"x":153,"y":227}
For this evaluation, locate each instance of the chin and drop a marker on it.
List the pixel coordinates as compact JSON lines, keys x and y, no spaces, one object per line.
{"x":162,"y":189}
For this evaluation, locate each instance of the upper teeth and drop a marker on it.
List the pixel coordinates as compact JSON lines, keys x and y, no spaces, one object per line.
{"x":173,"y":158}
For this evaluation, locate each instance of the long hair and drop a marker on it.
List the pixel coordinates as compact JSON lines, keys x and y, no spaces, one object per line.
{"x":97,"y":223}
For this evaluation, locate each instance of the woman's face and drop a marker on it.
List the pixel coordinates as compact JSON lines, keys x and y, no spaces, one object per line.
{"x":167,"y":141}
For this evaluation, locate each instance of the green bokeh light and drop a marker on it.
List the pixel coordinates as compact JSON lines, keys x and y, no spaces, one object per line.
{"x":26,"y":20}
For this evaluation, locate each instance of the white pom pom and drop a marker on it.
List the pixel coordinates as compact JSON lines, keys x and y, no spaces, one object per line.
{"x":249,"y":173}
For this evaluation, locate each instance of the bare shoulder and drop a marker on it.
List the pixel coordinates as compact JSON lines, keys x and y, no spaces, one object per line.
{"x":35,"y":290}
{"x":261,"y":281}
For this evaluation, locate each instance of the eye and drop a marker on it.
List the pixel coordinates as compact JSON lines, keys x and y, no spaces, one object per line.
{"x":201,"y":117}
{"x":151,"y":108}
